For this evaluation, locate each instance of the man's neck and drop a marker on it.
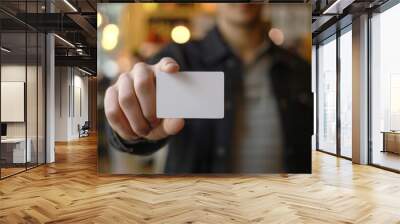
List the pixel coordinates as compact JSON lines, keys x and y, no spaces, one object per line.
{"x":243,"y":40}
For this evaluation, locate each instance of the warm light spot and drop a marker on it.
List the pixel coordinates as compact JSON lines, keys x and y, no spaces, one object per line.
{"x":277,"y":36}
{"x":209,"y":7}
{"x":150,"y":7}
{"x":110,"y":37}
{"x":180,"y":34}
{"x":99,"y":19}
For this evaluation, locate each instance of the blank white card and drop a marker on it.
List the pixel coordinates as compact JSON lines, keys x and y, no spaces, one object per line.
{"x":190,"y":95}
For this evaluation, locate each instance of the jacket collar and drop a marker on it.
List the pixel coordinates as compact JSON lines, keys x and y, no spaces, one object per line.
{"x":217,"y":49}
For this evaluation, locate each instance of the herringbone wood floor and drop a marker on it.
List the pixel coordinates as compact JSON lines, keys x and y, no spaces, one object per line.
{"x":70,"y":191}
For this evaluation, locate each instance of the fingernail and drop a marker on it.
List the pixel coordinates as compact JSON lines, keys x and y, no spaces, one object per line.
{"x":168,"y":64}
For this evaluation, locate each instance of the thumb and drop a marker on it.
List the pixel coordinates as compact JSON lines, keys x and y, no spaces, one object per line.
{"x":172,"y":126}
{"x":167,"y":64}
{"x":167,"y":127}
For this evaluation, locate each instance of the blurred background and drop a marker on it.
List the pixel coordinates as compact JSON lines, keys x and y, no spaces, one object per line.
{"x":128,"y":33}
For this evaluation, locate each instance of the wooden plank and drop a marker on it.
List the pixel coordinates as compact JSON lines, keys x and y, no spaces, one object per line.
{"x":70,"y":191}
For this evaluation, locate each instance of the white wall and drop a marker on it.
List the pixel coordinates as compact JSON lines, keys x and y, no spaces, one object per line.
{"x":70,"y":83}
{"x":80,"y":86}
{"x":61,"y":103}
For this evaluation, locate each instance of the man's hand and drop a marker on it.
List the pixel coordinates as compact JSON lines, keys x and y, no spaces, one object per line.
{"x":130,"y":104}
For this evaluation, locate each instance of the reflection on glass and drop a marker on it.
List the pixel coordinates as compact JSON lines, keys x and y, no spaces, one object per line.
{"x":345,"y":94}
{"x":386,"y":89}
{"x":327,"y":96}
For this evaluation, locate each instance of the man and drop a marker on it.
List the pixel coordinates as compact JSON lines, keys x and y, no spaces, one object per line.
{"x":268,"y":103}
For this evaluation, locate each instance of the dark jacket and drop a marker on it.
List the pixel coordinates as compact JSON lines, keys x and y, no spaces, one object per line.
{"x":204,"y":145}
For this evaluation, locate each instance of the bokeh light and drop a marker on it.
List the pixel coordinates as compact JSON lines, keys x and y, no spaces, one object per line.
{"x":99,"y":19}
{"x":110,"y":69}
{"x":110,"y":37}
{"x":180,"y":34}
{"x":277,"y":36}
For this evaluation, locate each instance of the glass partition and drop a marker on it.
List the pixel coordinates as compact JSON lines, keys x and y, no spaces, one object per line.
{"x":327,"y":96}
{"x":15,"y":151}
{"x":22,"y":88}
